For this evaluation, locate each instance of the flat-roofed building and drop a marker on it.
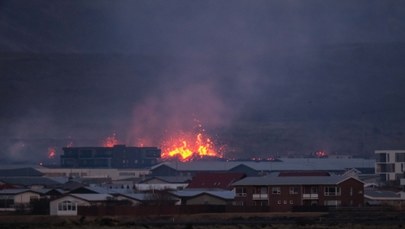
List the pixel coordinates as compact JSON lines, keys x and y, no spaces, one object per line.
{"x":118,"y":156}
{"x":390,"y":165}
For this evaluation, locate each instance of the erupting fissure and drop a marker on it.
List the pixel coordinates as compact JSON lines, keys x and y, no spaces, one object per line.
{"x":188,"y":147}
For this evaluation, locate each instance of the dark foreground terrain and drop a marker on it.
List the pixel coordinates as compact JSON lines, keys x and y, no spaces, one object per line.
{"x":334,"y":219}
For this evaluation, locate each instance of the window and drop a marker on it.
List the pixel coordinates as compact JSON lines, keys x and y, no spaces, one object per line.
{"x":240,"y":191}
{"x":275,"y":190}
{"x":261,"y":190}
{"x":67,"y":205}
{"x":294,"y":190}
{"x":351,"y":191}
{"x":291,"y":202}
{"x":278,"y":201}
{"x":285,"y":201}
{"x":400,"y":157}
{"x":332,"y":191}
{"x":332,"y":203}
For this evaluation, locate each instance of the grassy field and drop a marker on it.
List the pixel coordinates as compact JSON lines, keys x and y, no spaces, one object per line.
{"x":220,"y":221}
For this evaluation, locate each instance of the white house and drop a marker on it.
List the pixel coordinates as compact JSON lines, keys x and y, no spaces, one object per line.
{"x":68,"y":205}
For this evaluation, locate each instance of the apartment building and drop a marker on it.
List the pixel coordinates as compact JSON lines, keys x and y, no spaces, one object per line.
{"x":390,"y":165}
{"x":285,"y":193}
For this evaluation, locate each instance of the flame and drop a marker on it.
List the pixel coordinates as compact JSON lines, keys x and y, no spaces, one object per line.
{"x":51,"y":152}
{"x":189,"y":146}
{"x":110,"y":141}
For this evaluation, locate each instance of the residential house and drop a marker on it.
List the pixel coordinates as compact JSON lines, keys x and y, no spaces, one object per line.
{"x":163,"y":183}
{"x":255,"y":168}
{"x":68,"y":205}
{"x":17,"y":199}
{"x":215,"y":180}
{"x":385,"y":198}
{"x":283,"y":193}
{"x":204,"y":197}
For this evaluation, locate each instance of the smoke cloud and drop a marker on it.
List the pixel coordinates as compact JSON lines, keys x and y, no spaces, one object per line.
{"x":265,"y":77}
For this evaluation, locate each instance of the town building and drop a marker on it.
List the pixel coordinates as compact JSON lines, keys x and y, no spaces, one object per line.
{"x":118,"y":156}
{"x":284,"y":193}
{"x":17,"y":199}
{"x":68,"y":205}
{"x":390,"y":165}
{"x":255,"y":168}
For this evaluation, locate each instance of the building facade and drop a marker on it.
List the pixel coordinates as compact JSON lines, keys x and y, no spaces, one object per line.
{"x":118,"y":156}
{"x":285,"y":193}
{"x":390,"y":165}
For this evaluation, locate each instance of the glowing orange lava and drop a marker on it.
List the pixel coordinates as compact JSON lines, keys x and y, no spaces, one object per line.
{"x":51,"y":152}
{"x":110,"y":141}
{"x":189,"y":146}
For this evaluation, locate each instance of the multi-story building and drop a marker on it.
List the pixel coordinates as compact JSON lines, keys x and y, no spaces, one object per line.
{"x":390,"y":165}
{"x":285,"y":193}
{"x":119,"y":156}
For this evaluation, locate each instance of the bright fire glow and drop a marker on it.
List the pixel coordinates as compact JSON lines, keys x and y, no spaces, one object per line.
{"x":189,"y":146}
{"x":51,"y":152}
{"x":110,"y":141}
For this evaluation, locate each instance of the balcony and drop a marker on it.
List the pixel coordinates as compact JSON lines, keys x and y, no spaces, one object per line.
{"x":260,"y":197}
{"x":312,"y":196}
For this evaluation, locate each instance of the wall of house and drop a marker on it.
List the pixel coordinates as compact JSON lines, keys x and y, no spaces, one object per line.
{"x":53,"y":205}
{"x":134,"y":202}
{"x":205,"y":199}
{"x":352,"y":193}
{"x":25,"y":198}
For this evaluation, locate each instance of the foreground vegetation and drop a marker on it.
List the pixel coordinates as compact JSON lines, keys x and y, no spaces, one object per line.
{"x":336,"y":219}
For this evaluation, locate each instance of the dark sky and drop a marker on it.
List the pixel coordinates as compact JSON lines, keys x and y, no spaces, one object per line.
{"x":264,"y":77}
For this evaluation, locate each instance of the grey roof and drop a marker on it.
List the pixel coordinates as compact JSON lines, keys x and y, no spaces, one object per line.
{"x":302,"y":180}
{"x":15,"y":191}
{"x":135,"y":196}
{"x":92,"y":197}
{"x":224,"y":194}
{"x":100,"y":190}
{"x":282,"y":165}
{"x":20,"y":172}
{"x":379,"y":194}
{"x":28,"y":181}
{"x":170,"y":179}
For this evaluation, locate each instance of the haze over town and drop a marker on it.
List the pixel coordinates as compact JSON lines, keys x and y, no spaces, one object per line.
{"x":259,"y":78}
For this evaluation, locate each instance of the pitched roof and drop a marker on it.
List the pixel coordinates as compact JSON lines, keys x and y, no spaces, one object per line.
{"x":306,"y":180}
{"x":135,"y":196}
{"x":188,"y":193}
{"x":16,"y":191}
{"x":210,"y":180}
{"x":381,"y":195}
{"x":29,"y":181}
{"x":92,"y":197}
{"x":303,"y":173}
{"x":285,"y":164}
{"x":20,"y":172}
{"x":97,"y":190}
{"x":169,"y":179}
